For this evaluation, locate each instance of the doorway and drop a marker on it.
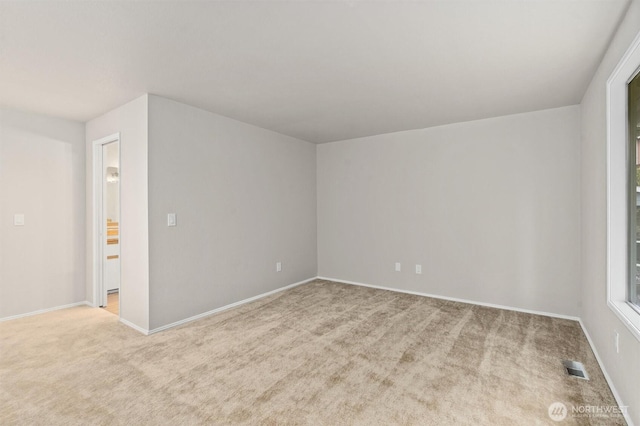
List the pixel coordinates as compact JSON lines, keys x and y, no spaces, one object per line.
{"x":107,"y":223}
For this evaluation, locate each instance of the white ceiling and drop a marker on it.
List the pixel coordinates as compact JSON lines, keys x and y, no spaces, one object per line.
{"x":319,"y":71}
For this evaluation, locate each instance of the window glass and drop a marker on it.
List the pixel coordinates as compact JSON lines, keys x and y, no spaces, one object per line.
{"x":634,"y":189}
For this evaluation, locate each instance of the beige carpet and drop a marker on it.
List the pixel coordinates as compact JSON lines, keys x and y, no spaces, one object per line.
{"x":319,"y":354}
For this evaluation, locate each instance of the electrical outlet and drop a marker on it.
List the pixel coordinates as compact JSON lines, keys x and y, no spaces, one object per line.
{"x":278,"y":266}
{"x":18,"y":219}
{"x":617,"y":341}
{"x":418,"y":269}
{"x":398,"y":267}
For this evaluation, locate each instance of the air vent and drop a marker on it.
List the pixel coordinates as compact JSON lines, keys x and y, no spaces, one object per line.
{"x":575,"y":369}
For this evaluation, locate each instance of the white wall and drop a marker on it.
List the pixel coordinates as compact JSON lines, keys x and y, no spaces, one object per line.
{"x":42,"y":264}
{"x":624,"y":368}
{"x":489,"y":208}
{"x":131,"y":121}
{"x":245,"y":198}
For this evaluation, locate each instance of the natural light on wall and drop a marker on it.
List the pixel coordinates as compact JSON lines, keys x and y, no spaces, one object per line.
{"x":623,"y":195}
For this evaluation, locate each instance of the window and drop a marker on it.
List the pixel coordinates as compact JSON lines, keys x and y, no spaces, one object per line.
{"x":623,"y":184}
{"x":633,"y":110}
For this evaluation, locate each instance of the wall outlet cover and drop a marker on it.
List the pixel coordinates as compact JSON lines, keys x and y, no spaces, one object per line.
{"x":18,"y":219}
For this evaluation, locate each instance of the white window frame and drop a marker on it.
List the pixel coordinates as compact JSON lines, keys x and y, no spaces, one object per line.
{"x":617,"y":195}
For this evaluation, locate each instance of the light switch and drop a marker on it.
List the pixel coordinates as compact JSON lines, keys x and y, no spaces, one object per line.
{"x":18,"y":219}
{"x":418,"y":269}
{"x":398,"y":267}
{"x":171,"y":219}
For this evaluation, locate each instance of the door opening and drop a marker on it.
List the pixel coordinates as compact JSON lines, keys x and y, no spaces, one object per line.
{"x":107,"y":223}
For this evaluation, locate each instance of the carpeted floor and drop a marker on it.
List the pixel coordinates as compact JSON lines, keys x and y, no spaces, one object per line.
{"x":319,"y":354}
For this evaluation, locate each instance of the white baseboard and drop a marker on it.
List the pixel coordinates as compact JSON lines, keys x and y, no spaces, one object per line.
{"x":135,"y":327}
{"x":454,"y":299}
{"x":615,"y":393}
{"x":224,"y":308}
{"x":42,"y":311}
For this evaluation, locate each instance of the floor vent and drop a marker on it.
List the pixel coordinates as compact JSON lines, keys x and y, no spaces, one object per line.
{"x":575,"y":369}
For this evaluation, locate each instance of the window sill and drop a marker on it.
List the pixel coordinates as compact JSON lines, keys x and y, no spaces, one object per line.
{"x":629,"y":316}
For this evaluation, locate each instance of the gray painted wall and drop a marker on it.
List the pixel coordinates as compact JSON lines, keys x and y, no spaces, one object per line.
{"x":42,"y":264}
{"x":131,"y":121}
{"x":245,"y":198}
{"x":624,"y":368}
{"x":489,"y":208}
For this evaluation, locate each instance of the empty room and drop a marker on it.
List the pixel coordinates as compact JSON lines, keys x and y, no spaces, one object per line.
{"x":320,"y":212}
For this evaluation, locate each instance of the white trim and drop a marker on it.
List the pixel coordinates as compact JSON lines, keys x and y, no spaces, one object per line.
{"x":43,"y":311}
{"x":626,"y":314}
{"x":135,"y":327}
{"x":229,"y":306}
{"x":455,"y":299}
{"x":615,"y":393}
{"x":97,"y":201}
{"x":617,"y":197}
